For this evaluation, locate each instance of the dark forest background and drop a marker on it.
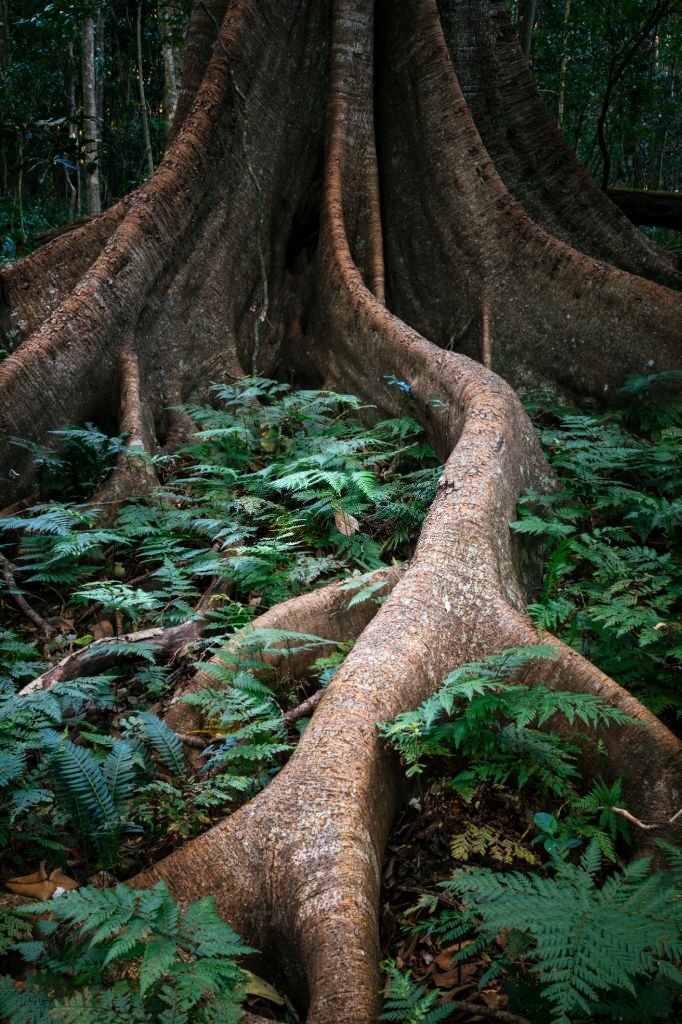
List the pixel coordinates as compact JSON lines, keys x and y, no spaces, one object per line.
{"x":610,"y":72}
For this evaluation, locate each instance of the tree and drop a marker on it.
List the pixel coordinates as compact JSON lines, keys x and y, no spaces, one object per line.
{"x":443,"y":205}
{"x":90,"y":89}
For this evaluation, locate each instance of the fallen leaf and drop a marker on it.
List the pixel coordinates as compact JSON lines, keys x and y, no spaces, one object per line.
{"x":446,"y":979}
{"x":494,"y":1000}
{"x":102,"y":629}
{"x":256,"y":986}
{"x":40,"y":885}
{"x":346,"y":524}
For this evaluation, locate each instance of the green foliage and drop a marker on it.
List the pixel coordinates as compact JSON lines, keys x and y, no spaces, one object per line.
{"x":19,"y":660}
{"x":582,"y":939}
{"x":49,"y":781}
{"x":247,"y":729}
{"x":408,"y":1003}
{"x":484,"y":714}
{"x":610,"y":540}
{"x":643,"y":111}
{"x":120,"y":954}
{"x":254,"y":500}
{"x":42,"y":119}
{"x":80,"y":460}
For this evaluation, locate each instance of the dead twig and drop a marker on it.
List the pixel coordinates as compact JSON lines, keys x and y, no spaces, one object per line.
{"x":647,"y":825}
{"x":502,"y":1016}
{"x":304,"y":709}
{"x":193,"y":741}
{"x":8,"y":569}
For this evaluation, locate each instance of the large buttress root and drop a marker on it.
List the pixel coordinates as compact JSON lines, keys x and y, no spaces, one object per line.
{"x":244,"y":154}
{"x":297,"y":870}
{"x":528,"y":150}
{"x":556,"y":313}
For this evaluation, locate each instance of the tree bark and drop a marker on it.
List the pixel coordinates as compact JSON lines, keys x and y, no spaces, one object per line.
{"x":90,"y":124}
{"x":526,"y":24}
{"x":434,"y":204}
{"x":171,"y":53}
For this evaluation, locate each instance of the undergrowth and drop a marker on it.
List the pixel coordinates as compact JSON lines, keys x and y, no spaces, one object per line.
{"x":280,"y":491}
{"x":581,"y":937}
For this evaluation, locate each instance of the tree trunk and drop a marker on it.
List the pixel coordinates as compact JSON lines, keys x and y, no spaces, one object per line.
{"x":144,"y":114}
{"x":447,"y":209}
{"x":172,"y":57}
{"x":563,"y":67}
{"x":526,"y":23}
{"x":90,"y":124}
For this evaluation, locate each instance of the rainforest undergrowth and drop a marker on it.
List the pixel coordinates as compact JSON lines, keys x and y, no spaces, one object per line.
{"x":277,"y":492}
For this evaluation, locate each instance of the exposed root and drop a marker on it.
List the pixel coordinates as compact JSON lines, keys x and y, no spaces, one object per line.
{"x":101,"y":654}
{"x":646,"y":755}
{"x":297,"y":870}
{"x":304,"y":709}
{"x":486,"y":338}
{"x":134,"y":472}
{"x":546,"y":298}
{"x":324,"y":613}
{"x":646,"y":825}
{"x":32,"y":288}
{"x":529,"y":151}
{"x":38,"y":621}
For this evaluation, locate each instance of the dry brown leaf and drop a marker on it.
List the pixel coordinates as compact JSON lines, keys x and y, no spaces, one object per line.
{"x":62,"y":881}
{"x":346,"y":524}
{"x":39,"y":885}
{"x":494,"y":1000}
{"x":102,"y":629}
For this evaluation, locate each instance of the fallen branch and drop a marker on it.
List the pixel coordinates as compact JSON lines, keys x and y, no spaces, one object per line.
{"x":326,"y":613}
{"x":8,"y":569}
{"x":193,"y":741}
{"x":503,"y":1016}
{"x":642,"y":824}
{"x":304,"y":709}
{"x":102,"y":654}
{"x":167,"y":641}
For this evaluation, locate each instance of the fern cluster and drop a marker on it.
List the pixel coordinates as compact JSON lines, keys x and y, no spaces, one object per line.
{"x":405,"y":1002}
{"x":276,"y":492}
{"x":50,"y":783}
{"x":119,"y":954}
{"x":490,"y":720}
{"x":583,"y":940}
{"x":611,"y":539}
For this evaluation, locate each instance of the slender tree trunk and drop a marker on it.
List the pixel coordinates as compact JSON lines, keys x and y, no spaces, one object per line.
{"x":170,"y":53}
{"x":90,"y":124}
{"x":526,"y":24}
{"x":4,"y":34}
{"x":149,"y":156}
{"x":563,"y":67}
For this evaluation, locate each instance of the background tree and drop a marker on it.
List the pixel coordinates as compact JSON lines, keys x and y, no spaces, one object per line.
{"x":45,"y":119}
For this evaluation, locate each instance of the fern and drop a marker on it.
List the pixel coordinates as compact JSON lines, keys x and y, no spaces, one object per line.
{"x":408,"y":1003}
{"x":484,"y":715}
{"x":163,"y":740}
{"x":135,"y":952}
{"x":611,"y":539}
{"x":584,"y":940}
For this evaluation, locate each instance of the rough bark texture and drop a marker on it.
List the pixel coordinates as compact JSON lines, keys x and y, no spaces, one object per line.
{"x":442,"y":206}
